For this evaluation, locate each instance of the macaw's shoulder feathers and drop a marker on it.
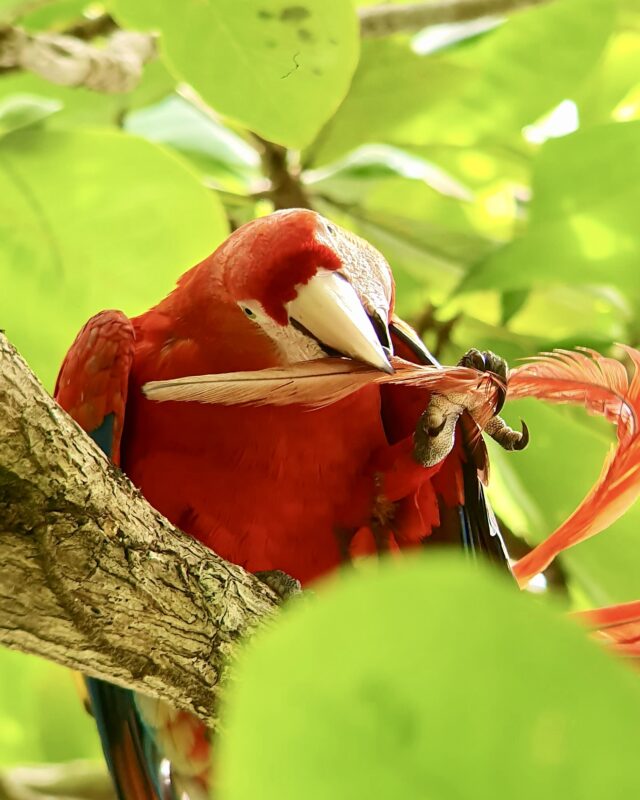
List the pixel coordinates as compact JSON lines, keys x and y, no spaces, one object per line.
{"x":93,"y":381}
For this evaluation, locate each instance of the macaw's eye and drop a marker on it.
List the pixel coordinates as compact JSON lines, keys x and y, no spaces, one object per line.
{"x":249,"y":312}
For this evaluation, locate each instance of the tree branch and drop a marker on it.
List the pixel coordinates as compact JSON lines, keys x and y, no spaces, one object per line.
{"x":385,"y":20}
{"x":69,"y":61}
{"x":285,"y":187}
{"x":94,"y":578}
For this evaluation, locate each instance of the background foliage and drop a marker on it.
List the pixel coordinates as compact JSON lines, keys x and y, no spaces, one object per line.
{"x":496,"y":164}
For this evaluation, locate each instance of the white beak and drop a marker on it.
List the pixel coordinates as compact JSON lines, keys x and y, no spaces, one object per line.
{"x":329,"y":308}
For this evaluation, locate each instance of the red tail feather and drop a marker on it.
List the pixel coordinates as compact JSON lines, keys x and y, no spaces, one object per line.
{"x":602,"y":386}
{"x":618,"y":626}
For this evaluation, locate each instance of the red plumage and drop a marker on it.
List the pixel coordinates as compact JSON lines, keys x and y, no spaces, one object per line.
{"x":265,"y":487}
{"x":283,"y":487}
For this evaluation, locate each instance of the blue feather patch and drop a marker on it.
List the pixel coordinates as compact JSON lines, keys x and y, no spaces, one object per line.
{"x":103,"y":434}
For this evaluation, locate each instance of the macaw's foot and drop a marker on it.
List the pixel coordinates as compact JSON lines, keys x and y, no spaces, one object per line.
{"x":279,"y":582}
{"x":486,"y":361}
{"x":435,"y":432}
{"x":497,"y":428}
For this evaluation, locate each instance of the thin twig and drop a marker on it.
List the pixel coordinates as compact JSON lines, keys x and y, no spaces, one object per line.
{"x":385,"y":20}
{"x":285,"y":188}
{"x":71,"y":61}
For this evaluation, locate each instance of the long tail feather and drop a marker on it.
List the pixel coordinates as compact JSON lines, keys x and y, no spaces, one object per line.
{"x":602,"y":386}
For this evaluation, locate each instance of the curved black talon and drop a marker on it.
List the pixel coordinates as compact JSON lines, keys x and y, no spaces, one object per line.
{"x":488,"y":361}
{"x":473,"y":358}
{"x":505,"y":436}
{"x":524,"y":437}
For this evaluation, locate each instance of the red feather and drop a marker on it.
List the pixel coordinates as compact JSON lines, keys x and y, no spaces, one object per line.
{"x":602,"y":386}
{"x":617,"y":626}
{"x":321,"y":383}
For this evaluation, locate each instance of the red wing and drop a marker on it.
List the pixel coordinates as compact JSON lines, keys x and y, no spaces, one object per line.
{"x":449,"y":505}
{"x":93,"y":380}
{"x":92,"y":388}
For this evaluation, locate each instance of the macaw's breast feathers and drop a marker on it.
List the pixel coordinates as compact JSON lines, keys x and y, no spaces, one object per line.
{"x":93,"y":380}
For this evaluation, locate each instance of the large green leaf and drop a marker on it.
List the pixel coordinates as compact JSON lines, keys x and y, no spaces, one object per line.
{"x":428,"y":678}
{"x":91,"y":221}
{"x":486,"y":92}
{"x":212,"y":148}
{"x":56,"y":15}
{"x":279,"y":69}
{"x":22,"y":110}
{"x":391,"y":86}
{"x":8,"y":10}
{"x":614,"y":88}
{"x":525,"y":68}
{"x":584,"y":222}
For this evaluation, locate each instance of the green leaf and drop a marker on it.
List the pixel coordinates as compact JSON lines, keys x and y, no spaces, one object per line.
{"x":614,"y":88}
{"x":428,"y":678}
{"x":512,"y":303}
{"x":585,"y":314}
{"x":215,"y":150}
{"x":279,"y":69}
{"x":91,"y":221}
{"x":8,"y":10}
{"x":420,"y":274}
{"x":524,"y":68}
{"x":391,"y":86}
{"x":42,"y":717}
{"x":22,"y":110}
{"x":82,"y":106}
{"x":53,"y":15}
{"x":584,"y":225}
{"x":485,"y":92}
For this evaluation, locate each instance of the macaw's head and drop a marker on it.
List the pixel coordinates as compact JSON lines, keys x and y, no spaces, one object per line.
{"x":311,"y":287}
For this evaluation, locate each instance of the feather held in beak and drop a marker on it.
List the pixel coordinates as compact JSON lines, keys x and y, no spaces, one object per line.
{"x":325,"y":381}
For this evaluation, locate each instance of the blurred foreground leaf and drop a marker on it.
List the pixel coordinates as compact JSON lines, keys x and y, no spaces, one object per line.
{"x":41,"y":714}
{"x":428,"y":678}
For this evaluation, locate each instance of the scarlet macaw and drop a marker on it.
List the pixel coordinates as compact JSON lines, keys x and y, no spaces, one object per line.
{"x":270,"y":488}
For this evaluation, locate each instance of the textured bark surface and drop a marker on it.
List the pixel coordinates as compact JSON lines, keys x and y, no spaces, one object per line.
{"x":94,"y":578}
